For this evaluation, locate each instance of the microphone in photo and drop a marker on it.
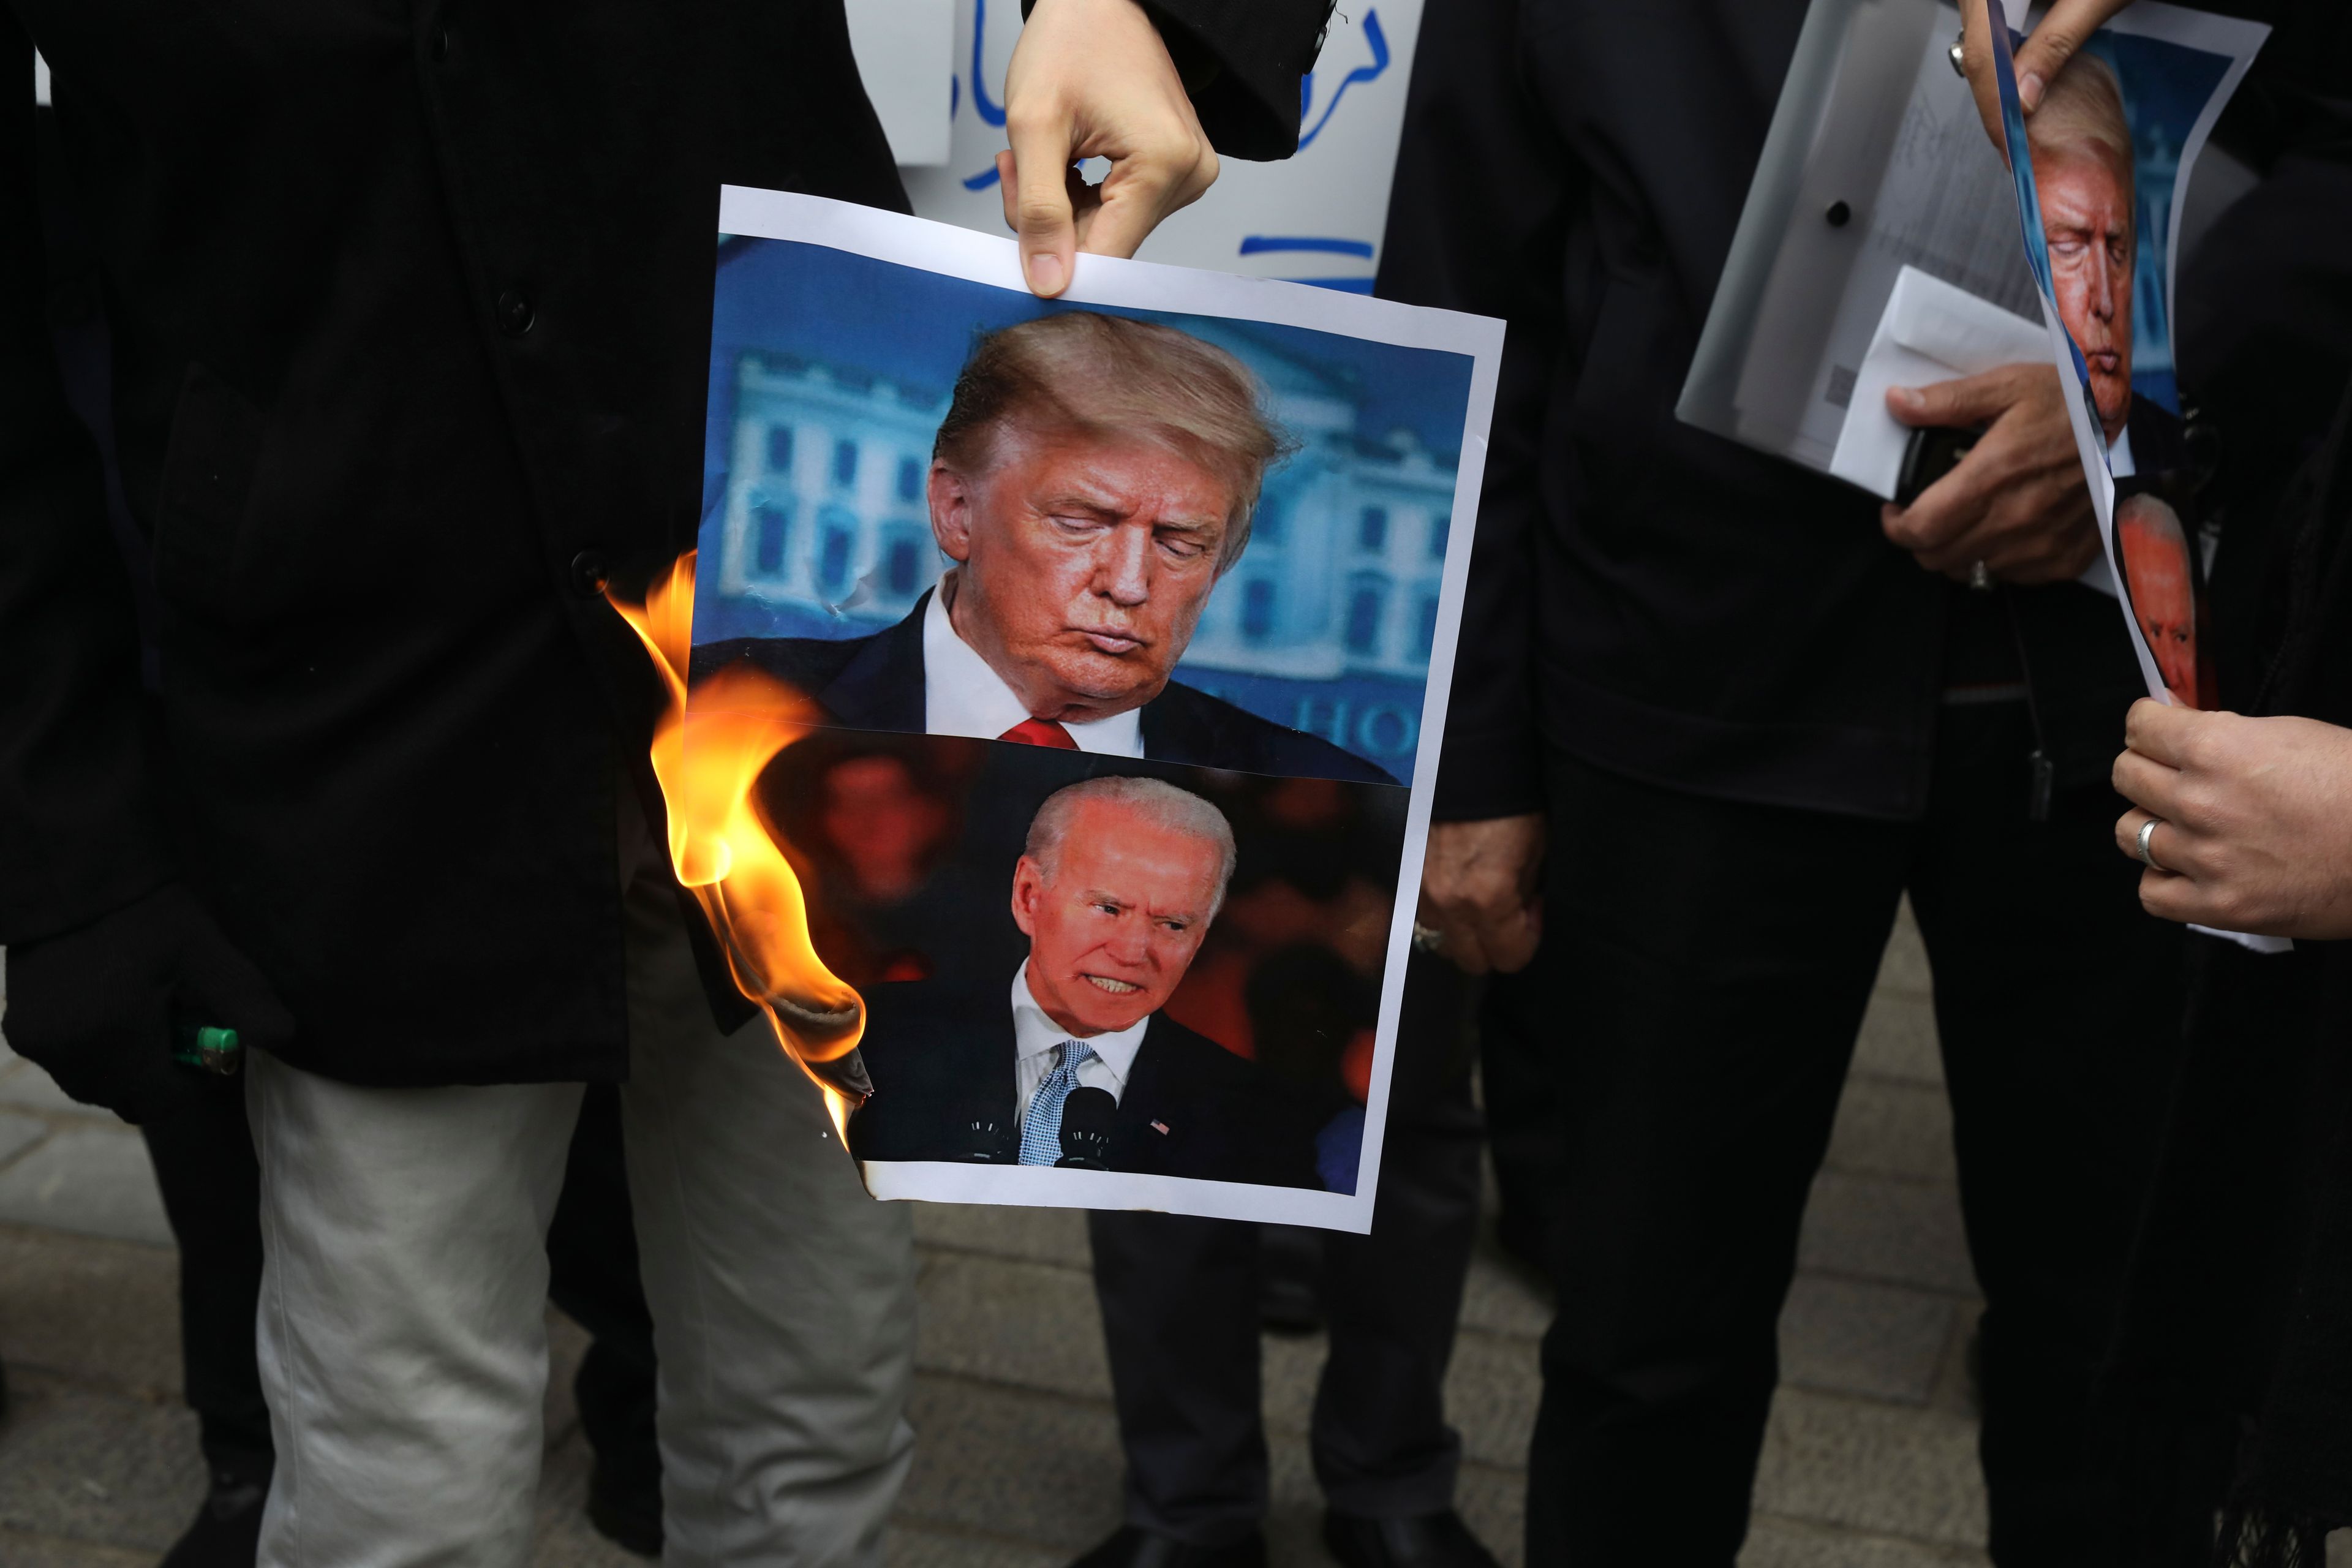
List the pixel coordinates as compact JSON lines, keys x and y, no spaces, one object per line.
{"x":1086,"y":1117}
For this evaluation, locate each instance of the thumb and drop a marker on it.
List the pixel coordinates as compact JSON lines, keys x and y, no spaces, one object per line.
{"x":1968,"y":401}
{"x":2057,"y":39}
{"x":1037,"y":187}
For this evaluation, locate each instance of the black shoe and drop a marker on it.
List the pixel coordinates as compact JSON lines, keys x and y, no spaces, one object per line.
{"x":626,"y":1513}
{"x":1429,"y":1541}
{"x":227,"y":1531}
{"x":1131,"y":1548}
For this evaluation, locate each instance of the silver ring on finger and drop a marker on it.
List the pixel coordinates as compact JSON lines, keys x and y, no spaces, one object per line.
{"x":1959,"y":56}
{"x":2147,"y":832}
{"x":1429,"y":938}
{"x":1980,"y":577}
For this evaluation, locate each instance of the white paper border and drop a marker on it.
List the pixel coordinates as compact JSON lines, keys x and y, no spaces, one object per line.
{"x":956,"y":252}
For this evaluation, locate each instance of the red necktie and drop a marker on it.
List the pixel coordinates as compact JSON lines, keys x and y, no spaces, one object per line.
{"x":1040,"y":732}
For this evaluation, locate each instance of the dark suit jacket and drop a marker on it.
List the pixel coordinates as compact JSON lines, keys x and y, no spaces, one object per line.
{"x":411,"y":306}
{"x":943,"y":1064}
{"x":876,"y":683}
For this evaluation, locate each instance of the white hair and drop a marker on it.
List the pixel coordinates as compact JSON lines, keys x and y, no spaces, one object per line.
{"x":1161,"y":803}
{"x":2083,"y":112}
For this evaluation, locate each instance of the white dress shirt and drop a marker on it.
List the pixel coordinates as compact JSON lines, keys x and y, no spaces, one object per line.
{"x":1036,"y":1041}
{"x":961,"y":696}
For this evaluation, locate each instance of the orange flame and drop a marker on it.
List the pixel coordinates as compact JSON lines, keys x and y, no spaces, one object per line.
{"x":708,"y":762}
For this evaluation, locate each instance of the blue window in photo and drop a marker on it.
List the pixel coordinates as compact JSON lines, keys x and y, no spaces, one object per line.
{"x":1428,"y":643}
{"x":902,"y":568}
{"x":1257,"y":609}
{"x":911,"y":480}
{"x":779,"y":449}
{"x":1440,"y":526}
{"x":839,"y":538}
{"x":771,"y":523}
{"x":845,"y":462}
{"x":1372,"y":528}
{"x":1367,"y":598}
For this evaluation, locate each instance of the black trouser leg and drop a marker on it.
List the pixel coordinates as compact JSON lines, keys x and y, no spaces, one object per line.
{"x":1383,"y":1449}
{"x":1178,"y":1297}
{"x":211,"y":1182}
{"x":2058,"y":1002}
{"x":592,"y":1256}
{"x":1711,"y":962}
{"x":1180,"y":1305}
{"x":1521,"y":1036}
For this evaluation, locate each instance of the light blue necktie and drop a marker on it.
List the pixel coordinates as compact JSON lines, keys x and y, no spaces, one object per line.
{"x":1041,"y":1135}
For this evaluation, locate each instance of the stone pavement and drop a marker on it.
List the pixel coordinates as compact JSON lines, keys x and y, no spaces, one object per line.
{"x":1870,"y":1462}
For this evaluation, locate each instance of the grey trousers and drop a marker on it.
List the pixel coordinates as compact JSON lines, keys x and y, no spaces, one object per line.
{"x":403,"y":1338}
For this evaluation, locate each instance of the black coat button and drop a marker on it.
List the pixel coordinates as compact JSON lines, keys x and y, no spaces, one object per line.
{"x":438,"y":46}
{"x":514,"y":312}
{"x":588,"y":577}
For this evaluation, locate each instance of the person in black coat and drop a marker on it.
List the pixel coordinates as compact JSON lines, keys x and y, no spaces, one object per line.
{"x":1750,"y":724}
{"x":1093,"y":479}
{"x":408,"y":312}
{"x":1116,"y":889}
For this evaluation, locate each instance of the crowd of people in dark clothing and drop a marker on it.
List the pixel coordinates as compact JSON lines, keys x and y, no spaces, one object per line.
{"x":347,"y":360}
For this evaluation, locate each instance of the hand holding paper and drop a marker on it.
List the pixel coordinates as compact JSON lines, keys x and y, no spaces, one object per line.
{"x":1091,"y":79}
{"x":2017,"y":502}
{"x":2253,"y":820}
{"x":2055,"y":39}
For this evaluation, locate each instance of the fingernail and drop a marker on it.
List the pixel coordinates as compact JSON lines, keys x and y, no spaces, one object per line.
{"x":1909,"y":397}
{"x":2029,"y":90}
{"x":1045,"y":272}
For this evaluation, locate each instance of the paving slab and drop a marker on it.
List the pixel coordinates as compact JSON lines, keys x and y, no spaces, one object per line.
{"x":1893,"y":1127}
{"x":90,"y":1179}
{"x":1879,"y":1469}
{"x":90,"y":1311}
{"x":915,"y":1546}
{"x":1902,"y":1233}
{"x":1008,"y":1463}
{"x":1493,"y":1501}
{"x":18,"y":1134}
{"x":91,"y":1466}
{"x":22,"y":1083}
{"x":1790,"y":1544}
{"x":1031,"y":1325}
{"x":1879,"y":1342}
{"x":1904,"y":970}
{"x":1899,"y":1040}
{"x":20,"y":1550}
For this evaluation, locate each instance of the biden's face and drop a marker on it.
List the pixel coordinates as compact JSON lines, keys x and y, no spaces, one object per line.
{"x":1113,"y":926}
{"x":2163,"y":595}
{"x":2086,"y":218}
{"x":1085,"y":565}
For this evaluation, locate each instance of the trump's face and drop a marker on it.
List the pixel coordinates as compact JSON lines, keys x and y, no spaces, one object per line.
{"x":2086,"y":216}
{"x":1114,"y":925}
{"x":2163,"y":596}
{"x":1085,"y":565}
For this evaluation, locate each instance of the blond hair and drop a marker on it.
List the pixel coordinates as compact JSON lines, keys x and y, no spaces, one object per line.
{"x":1161,"y":803}
{"x":1084,"y":372}
{"x":2083,"y":112}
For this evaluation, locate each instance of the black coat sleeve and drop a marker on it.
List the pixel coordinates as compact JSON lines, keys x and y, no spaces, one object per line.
{"x":1242,"y":62}
{"x":1477,"y":221}
{"x":77,"y":831}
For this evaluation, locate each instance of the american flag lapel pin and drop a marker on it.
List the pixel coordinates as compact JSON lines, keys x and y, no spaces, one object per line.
{"x":1161,"y":1128}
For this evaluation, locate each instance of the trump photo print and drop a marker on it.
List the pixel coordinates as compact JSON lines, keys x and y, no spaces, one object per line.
{"x":1123,"y":623}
